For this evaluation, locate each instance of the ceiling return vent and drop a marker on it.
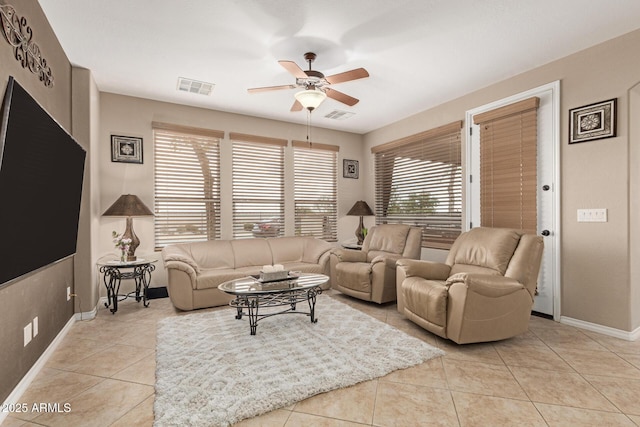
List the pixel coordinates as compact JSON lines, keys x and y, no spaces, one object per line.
{"x":339,"y":115}
{"x":194,"y":86}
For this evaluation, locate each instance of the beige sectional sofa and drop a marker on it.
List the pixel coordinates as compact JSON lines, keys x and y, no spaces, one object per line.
{"x":195,"y":270}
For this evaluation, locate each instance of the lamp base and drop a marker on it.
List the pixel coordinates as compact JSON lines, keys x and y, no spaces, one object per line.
{"x":135,"y":242}
{"x":360,"y":232}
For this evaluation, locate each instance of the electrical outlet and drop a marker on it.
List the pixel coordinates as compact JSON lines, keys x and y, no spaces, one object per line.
{"x":68,"y":293}
{"x":35,"y":326}
{"x":27,"y":334}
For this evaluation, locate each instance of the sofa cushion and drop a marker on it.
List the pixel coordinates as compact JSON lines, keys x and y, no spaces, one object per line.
{"x":286,"y":249}
{"x":251,"y":252}
{"x":212,"y":277}
{"x":314,"y":249}
{"x":483,"y":249}
{"x":211,"y":254}
{"x":426,"y":298}
{"x":304,"y":267}
{"x":390,"y":238}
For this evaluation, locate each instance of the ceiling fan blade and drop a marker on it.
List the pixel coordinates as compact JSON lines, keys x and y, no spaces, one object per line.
{"x":294,"y":69}
{"x":267,"y":88}
{"x":355,"y":74}
{"x":341,"y":97}
{"x":296,"y":106}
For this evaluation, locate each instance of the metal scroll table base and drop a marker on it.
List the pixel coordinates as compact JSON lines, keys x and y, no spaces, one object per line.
{"x":250,"y":305}
{"x":113,"y":276}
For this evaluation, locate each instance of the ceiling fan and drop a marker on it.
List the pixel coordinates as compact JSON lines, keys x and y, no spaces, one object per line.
{"x":311,"y":80}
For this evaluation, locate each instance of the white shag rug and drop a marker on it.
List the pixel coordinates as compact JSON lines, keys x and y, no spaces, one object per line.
{"x":212,"y":372}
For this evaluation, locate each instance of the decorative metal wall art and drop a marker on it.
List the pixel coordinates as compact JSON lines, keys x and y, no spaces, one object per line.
{"x":18,"y":34}
{"x":350,"y":169}
{"x":126,"y":149}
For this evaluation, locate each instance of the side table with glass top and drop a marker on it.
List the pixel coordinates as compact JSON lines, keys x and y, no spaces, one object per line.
{"x":114,"y":270}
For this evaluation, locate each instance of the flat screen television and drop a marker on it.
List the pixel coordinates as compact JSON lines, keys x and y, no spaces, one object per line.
{"x":41,"y":171}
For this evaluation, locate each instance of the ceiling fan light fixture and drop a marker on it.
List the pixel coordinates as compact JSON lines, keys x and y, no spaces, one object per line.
{"x":310,"y":98}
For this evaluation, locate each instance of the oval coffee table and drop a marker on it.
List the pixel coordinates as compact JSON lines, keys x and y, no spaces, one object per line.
{"x":252,"y":295}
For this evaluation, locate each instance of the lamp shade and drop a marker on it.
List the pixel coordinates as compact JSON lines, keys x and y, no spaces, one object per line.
{"x":128,"y":205}
{"x":361,"y":208}
{"x":311,"y":98}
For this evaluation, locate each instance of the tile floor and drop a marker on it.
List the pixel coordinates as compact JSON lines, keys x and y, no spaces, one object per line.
{"x":554,"y":375}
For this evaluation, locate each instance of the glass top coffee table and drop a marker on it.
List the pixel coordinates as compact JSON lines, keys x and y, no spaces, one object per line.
{"x":253,"y":295}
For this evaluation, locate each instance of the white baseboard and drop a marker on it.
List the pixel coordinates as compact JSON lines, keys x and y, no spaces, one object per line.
{"x":605,"y":330}
{"x":23,"y":385}
{"x":87,"y":315}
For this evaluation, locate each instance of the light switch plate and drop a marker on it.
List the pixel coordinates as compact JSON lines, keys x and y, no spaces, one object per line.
{"x":592,"y":215}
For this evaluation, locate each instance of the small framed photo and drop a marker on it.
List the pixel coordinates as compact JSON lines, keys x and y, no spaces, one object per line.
{"x":594,"y":121}
{"x":126,"y":149}
{"x":350,"y":169}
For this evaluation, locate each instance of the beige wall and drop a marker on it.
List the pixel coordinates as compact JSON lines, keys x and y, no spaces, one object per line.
{"x":123,"y":115}
{"x":596,"y":279}
{"x":41,"y":294}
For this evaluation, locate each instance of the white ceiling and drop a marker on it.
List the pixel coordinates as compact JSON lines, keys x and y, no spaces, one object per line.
{"x":419,"y":53}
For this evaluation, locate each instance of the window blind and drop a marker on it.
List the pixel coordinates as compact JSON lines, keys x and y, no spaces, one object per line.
{"x":508,"y":166}
{"x":419,"y":182}
{"x":315,"y":190}
{"x":187,"y":184}
{"x":258,"y":187}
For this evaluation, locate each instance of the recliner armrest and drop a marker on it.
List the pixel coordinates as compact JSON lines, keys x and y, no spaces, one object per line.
{"x":487,"y":285}
{"x":389,"y":260}
{"x":349,"y":255}
{"x":425,"y":269}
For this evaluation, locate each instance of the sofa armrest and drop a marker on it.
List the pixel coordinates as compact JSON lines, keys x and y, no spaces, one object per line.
{"x":487,"y":285}
{"x":349,"y":255}
{"x":174,"y":253}
{"x":425,"y":269}
{"x":388,"y":260}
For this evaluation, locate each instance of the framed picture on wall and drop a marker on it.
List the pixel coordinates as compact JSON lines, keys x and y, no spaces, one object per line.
{"x":126,"y":149}
{"x":593,"y":121}
{"x":350,"y":169}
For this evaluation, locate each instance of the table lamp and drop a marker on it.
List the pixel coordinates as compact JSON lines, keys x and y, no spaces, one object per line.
{"x":361,"y":209}
{"x":129,"y":205}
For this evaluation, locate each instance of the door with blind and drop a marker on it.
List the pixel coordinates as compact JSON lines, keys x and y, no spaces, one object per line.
{"x":512,"y":176}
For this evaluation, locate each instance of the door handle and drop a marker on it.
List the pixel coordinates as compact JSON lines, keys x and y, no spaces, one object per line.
{"x":545,"y":233}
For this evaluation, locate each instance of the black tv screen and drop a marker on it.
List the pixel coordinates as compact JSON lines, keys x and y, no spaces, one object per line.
{"x":41,"y":171}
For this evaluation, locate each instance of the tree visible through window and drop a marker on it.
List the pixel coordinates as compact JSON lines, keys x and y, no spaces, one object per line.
{"x":419,"y":182}
{"x":187,"y":184}
{"x":316,"y":201}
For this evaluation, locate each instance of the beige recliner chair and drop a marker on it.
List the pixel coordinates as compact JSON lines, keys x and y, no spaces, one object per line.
{"x":483,"y":292}
{"x":370,"y":273}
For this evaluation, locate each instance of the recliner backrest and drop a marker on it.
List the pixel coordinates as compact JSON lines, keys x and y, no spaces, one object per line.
{"x":396,"y":239}
{"x":483,"y":250}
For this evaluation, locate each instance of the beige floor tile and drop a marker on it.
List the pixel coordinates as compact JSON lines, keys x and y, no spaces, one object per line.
{"x":560,"y":388}
{"x":599,"y":363}
{"x":112,"y":360}
{"x":475,"y":410}
{"x":408,"y":405}
{"x":634,"y":358}
{"x":564,"y":416}
{"x":567,"y":339}
{"x":140,"y":336}
{"x":59,"y":387}
{"x":15,"y":422}
{"x":532,"y":356}
{"x":616,"y":345}
{"x":73,"y":350}
{"x":140,"y":416}
{"x":101,"y":405}
{"x":276,"y":418}
{"x":353,"y":403}
{"x":430,"y":374}
{"x":481,"y":353}
{"x":623,"y":392}
{"x":305,"y":420}
{"x":635,"y":419}
{"x":141,"y":372}
{"x":482,"y":378}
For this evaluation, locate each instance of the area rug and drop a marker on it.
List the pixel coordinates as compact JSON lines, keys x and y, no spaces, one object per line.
{"x":212,"y":372}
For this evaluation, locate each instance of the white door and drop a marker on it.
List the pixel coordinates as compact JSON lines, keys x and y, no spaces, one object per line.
{"x":548,"y":194}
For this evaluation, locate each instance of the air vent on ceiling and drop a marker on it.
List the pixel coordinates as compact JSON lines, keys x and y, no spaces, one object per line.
{"x":194,"y":86}
{"x":339,"y":115}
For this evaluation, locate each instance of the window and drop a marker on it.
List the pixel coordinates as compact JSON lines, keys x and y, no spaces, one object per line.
{"x":508,"y":165}
{"x":258,"y":186}
{"x":187,"y":184}
{"x":419,"y":182}
{"x":315,"y":190}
